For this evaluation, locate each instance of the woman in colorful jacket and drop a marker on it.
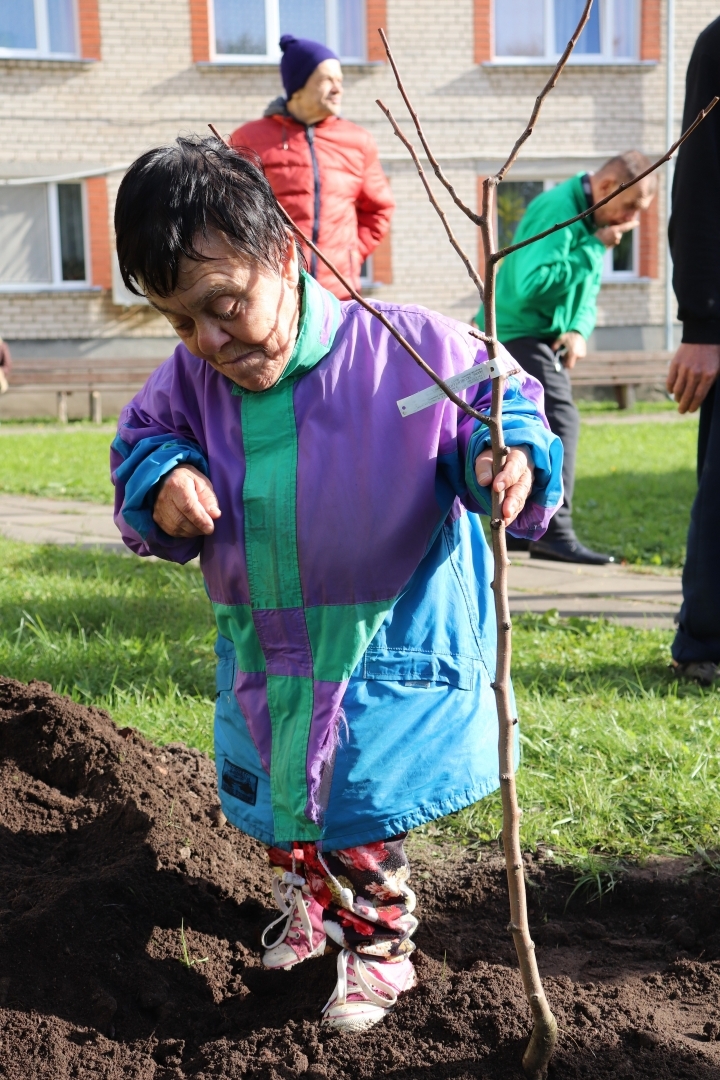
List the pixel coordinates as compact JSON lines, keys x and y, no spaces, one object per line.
{"x":350,"y":584}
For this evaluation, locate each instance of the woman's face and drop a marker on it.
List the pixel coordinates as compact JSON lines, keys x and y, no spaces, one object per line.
{"x":237,"y":315}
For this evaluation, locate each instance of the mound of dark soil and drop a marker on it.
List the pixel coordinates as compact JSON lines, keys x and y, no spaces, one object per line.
{"x":109,"y":845}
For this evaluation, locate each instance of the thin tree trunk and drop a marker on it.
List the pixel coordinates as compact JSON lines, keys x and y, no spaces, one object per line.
{"x":544,"y":1034}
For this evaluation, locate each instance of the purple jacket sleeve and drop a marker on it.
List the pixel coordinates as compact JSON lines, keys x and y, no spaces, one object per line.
{"x":162,"y":427}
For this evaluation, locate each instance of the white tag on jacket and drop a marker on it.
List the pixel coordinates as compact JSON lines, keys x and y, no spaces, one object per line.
{"x":490,"y":369}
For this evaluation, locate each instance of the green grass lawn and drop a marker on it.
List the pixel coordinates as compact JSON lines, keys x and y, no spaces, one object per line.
{"x":634,"y":488}
{"x":635,"y":483}
{"x":592,"y":407}
{"x":70,"y":463}
{"x":132,"y":636}
{"x":617,"y":758}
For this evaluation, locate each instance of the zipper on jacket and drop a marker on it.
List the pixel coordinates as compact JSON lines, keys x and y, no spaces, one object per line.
{"x":310,"y":136}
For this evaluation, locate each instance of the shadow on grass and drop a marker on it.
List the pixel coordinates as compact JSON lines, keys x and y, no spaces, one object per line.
{"x":638,"y":516}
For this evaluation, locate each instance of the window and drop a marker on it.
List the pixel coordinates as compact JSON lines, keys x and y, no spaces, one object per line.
{"x":513,"y":198}
{"x":248,"y":31}
{"x":621,"y":262}
{"x":365,"y":275}
{"x":42,"y":237}
{"x":540,"y":29}
{"x":36,"y":28}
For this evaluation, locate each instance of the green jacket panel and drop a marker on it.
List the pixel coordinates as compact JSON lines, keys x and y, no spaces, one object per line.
{"x":551,"y":286}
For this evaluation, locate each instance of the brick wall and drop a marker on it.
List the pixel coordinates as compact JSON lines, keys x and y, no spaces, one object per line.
{"x":89,"y":29}
{"x":86,"y":314}
{"x":148,"y":86}
{"x":650,"y":30}
{"x":98,"y":221}
{"x":376,"y":16}
{"x":382,"y":261}
{"x":482,"y":30}
{"x":199,"y":30}
{"x":649,"y":241}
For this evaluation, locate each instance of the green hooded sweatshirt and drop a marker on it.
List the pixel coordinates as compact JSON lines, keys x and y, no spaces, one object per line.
{"x":551,"y":286}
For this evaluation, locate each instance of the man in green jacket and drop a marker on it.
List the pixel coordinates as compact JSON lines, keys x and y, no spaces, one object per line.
{"x":547,"y":303}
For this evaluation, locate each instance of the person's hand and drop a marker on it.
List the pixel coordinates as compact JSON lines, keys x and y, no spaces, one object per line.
{"x":186,"y":503}
{"x":575,"y":347}
{"x":5,"y":357}
{"x":693,"y":370}
{"x":611,"y":235}
{"x":515,"y":480}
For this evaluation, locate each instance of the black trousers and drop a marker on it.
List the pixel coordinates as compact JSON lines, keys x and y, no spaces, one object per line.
{"x":540,"y":361}
{"x":698,"y":635}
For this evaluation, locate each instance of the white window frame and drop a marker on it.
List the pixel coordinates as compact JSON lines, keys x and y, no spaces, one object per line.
{"x":551,"y":56}
{"x":610,"y":276}
{"x":57,"y":284}
{"x":42,"y":37}
{"x":272,"y":36}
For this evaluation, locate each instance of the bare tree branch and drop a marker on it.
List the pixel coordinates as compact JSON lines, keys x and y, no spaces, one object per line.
{"x":378,"y":315}
{"x":482,"y":337}
{"x":474,"y":276}
{"x":475,"y":218}
{"x":549,"y":85}
{"x":389,"y":326}
{"x":622,"y":187}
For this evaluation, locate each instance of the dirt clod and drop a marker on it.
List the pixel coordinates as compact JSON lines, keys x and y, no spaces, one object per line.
{"x":109,"y":845}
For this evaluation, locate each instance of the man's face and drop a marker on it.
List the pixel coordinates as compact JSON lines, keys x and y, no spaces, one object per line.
{"x":624,"y":207}
{"x":321,"y":95}
{"x":238,"y":316}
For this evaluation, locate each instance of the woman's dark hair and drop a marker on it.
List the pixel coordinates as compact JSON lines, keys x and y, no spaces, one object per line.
{"x":174,"y":195}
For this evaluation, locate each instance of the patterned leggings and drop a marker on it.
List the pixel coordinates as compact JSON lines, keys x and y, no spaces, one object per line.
{"x":363,"y":891}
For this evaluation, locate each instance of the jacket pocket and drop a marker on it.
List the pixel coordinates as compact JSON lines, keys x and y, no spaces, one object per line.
{"x":403,"y":665}
{"x":226,"y":669}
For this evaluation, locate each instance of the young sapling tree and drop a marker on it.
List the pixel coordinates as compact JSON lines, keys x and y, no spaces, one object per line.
{"x":544,"y":1033}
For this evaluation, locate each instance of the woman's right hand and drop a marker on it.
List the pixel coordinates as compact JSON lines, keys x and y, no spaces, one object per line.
{"x":186,"y":504}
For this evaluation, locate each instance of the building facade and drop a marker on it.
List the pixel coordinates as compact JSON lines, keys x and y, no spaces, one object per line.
{"x":87,"y":85}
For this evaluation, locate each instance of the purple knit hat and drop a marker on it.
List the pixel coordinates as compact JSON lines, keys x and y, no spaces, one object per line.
{"x":300,"y":58}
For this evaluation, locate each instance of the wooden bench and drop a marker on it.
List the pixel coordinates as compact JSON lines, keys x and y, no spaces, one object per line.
{"x":91,"y":376}
{"x":622,"y":370}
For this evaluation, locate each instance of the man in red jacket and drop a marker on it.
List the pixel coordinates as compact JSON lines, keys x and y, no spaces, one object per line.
{"x":324,"y":170}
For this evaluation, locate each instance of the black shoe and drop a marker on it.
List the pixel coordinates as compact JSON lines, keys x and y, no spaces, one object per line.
{"x":702,"y":671}
{"x":567,"y":551}
{"x":513,"y":544}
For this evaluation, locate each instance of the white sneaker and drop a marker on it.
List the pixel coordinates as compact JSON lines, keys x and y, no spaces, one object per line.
{"x":366,"y":991}
{"x":303,"y":935}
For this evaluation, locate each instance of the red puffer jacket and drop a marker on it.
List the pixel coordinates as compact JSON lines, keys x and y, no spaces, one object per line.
{"x":329,"y":179}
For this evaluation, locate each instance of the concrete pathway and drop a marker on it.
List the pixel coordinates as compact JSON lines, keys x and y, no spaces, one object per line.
{"x":634,"y":597}
{"x":58,"y":521}
{"x":646,"y":598}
